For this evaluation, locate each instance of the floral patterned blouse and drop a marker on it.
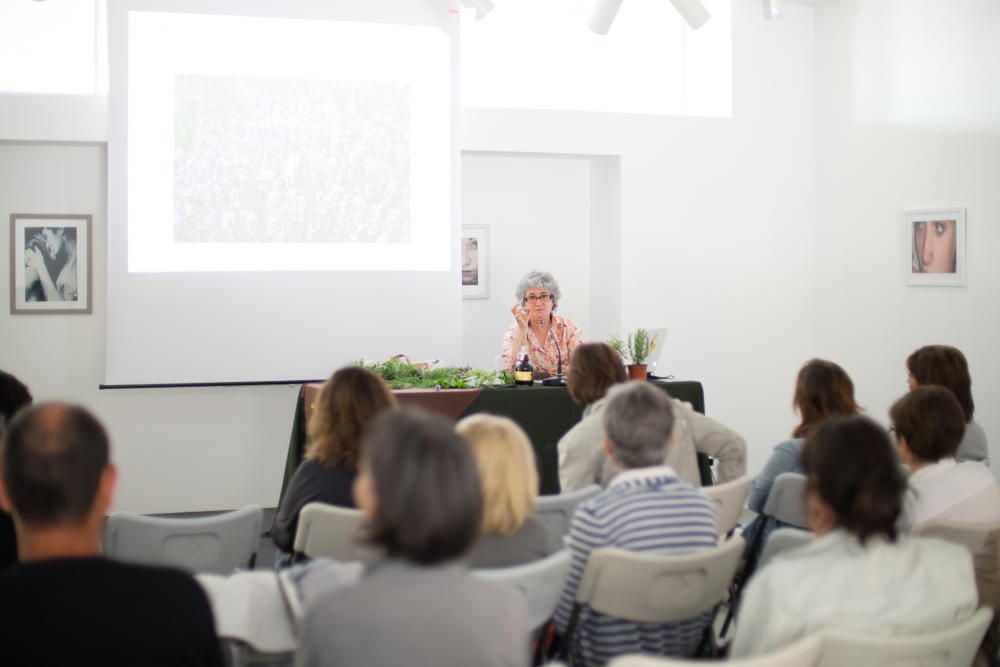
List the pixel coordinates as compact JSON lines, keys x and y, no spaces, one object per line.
{"x":544,"y":359}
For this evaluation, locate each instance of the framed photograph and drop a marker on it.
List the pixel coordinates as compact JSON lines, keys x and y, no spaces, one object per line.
{"x":50,"y":263}
{"x":934,"y":240}
{"x":475,"y":261}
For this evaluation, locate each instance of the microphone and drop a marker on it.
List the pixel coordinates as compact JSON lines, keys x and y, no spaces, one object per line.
{"x":556,"y":380}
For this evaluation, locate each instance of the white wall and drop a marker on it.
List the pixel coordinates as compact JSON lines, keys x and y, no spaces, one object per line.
{"x":553,"y":213}
{"x":177,"y":449}
{"x":717,"y":236}
{"x":908,"y":116}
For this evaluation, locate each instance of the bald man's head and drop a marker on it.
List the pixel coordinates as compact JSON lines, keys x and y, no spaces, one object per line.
{"x":53,"y":458}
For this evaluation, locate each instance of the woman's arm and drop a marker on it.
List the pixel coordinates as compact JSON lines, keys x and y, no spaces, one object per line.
{"x":34,"y":260}
{"x":515,"y":338}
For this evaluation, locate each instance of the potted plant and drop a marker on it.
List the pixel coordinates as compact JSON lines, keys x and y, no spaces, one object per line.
{"x":634,"y":350}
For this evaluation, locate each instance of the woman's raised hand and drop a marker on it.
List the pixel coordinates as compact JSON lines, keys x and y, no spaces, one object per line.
{"x":521,"y":315}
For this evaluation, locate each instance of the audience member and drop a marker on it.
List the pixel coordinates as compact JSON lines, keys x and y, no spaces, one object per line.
{"x":928,"y":423}
{"x":348,"y":402}
{"x":596,"y":368}
{"x":858,"y":574}
{"x":647,"y":507}
{"x":822,"y":390}
{"x":510,"y":534}
{"x":13,"y":396}
{"x":946,"y":366}
{"x":418,"y":488}
{"x":64,"y":604}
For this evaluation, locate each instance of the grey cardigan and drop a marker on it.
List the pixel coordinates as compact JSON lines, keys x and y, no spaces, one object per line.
{"x":402,"y":613}
{"x":582,"y":460}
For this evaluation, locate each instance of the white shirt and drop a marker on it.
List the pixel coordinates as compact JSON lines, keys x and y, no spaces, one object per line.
{"x":965,"y":492}
{"x":907,"y":587}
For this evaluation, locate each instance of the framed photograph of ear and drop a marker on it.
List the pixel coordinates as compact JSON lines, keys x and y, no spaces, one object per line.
{"x":934,"y":242}
{"x":50,"y":269}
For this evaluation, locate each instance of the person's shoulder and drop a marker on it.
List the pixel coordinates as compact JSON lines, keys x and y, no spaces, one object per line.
{"x":172,"y":581}
{"x":566,"y":322}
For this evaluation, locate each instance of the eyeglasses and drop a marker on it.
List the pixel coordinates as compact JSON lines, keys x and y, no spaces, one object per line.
{"x":536,"y":299}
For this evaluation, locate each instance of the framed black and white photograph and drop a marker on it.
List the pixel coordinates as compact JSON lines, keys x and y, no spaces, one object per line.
{"x":50,"y":263}
{"x":475,"y":261}
{"x":935,"y":247}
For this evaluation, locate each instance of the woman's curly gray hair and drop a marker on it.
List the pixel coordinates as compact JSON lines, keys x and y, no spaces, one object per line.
{"x":535,"y":279}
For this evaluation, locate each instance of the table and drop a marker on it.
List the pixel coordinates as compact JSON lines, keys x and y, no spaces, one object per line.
{"x":545,"y":414}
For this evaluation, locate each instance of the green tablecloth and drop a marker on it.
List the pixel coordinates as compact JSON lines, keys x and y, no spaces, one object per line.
{"x":545,"y":414}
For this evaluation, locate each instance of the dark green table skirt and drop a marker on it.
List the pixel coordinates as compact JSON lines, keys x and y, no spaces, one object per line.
{"x":545,"y":414}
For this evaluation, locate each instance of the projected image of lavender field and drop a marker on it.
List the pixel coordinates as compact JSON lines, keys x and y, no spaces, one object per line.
{"x":260,"y":160}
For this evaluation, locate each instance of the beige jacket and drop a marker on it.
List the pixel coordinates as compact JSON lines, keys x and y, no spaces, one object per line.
{"x":582,"y":460}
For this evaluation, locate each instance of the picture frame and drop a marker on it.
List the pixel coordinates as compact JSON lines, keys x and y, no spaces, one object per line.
{"x":934,"y":247}
{"x":50,"y":263}
{"x":474,"y":249}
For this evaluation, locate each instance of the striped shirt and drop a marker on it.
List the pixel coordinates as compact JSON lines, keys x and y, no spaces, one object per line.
{"x":647,"y":509}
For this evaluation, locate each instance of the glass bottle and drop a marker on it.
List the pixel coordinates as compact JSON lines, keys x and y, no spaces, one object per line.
{"x":523,"y":372}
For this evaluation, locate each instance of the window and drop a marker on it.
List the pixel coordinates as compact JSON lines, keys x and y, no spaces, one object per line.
{"x":539,"y":54}
{"x":53,"y":47}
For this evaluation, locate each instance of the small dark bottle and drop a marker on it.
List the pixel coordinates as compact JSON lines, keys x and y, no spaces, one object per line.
{"x":523,"y":372}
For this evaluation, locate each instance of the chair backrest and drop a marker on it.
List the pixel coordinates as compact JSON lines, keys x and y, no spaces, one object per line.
{"x":658,"y":588}
{"x":973,"y":536}
{"x":541,"y":582}
{"x":952,"y":647}
{"x":803,"y":653}
{"x":787,"y":500}
{"x":556,"y":512}
{"x":214,"y":544}
{"x":728,"y":500}
{"x":783,"y":539}
{"x":331,"y":532}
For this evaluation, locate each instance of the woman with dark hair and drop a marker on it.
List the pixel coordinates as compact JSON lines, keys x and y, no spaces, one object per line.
{"x":596,"y":368}
{"x":946,"y":366}
{"x":419,"y":491}
{"x":348,"y":402}
{"x":858,"y":574}
{"x":928,"y":424}
{"x":822,"y":390}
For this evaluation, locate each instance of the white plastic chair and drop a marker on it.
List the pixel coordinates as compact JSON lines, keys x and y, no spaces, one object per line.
{"x":655,"y":588}
{"x":786,"y":503}
{"x":973,"y":536}
{"x":781,"y":540}
{"x":953,"y":647}
{"x":214,"y":544}
{"x":541,"y":582}
{"x":331,"y":532}
{"x":556,"y":512}
{"x":803,"y":653}
{"x":728,"y":500}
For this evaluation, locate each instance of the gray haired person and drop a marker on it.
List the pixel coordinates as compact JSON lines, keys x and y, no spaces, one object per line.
{"x":646,"y":508}
{"x":549,"y":338}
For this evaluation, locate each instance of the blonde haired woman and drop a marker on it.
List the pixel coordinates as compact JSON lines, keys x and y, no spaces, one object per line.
{"x":510,"y":534}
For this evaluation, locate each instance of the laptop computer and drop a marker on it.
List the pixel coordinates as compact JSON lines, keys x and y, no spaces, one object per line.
{"x":655,"y":359}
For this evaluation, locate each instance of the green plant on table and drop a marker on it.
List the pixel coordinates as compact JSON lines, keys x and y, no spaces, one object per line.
{"x":635,"y":348}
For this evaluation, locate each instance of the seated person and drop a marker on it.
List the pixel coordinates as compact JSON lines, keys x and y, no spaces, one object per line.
{"x":349,"y":400}
{"x":510,"y":534}
{"x":63,"y":604}
{"x":822,"y":390}
{"x":13,"y":396}
{"x":548,"y":337}
{"x":582,"y":461}
{"x":857,"y":574}
{"x":646,"y":507}
{"x":946,"y":366}
{"x":418,"y":488}
{"x":929,"y":423}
